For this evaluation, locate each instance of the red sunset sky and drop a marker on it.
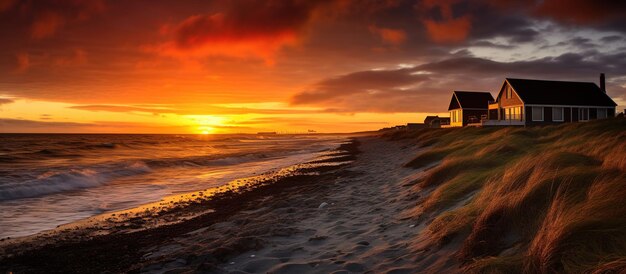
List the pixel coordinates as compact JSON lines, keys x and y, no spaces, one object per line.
{"x":285,"y":65}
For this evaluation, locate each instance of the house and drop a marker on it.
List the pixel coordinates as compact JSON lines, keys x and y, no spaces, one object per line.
{"x":443,"y":121}
{"x":412,"y":126}
{"x":539,"y":102}
{"x":429,"y":119}
{"x":440,"y":122}
{"x":468,"y":107}
{"x":436,"y":121}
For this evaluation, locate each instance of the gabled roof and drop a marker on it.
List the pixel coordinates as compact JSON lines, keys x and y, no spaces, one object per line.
{"x":470,"y":99}
{"x":543,"y":92}
{"x":430,"y":119}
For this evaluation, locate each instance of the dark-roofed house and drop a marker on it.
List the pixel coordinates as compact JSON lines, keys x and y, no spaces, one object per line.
{"x":429,"y":119}
{"x":468,"y":107}
{"x":436,"y":121}
{"x":536,"y":102}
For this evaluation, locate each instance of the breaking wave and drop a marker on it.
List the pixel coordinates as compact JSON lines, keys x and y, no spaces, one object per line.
{"x":61,"y":181}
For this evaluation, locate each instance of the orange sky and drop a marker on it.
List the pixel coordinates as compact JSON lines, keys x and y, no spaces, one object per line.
{"x":288,"y":66}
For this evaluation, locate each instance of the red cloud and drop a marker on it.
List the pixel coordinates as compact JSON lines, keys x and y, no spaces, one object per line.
{"x":6,"y":4}
{"x":390,"y":36}
{"x":22,"y":62}
{"x":46,"y":18}
{"x":77,"y":57}
{"x":46,"y":25}
{"x":254,"y":29}
{"x":449,"y":29}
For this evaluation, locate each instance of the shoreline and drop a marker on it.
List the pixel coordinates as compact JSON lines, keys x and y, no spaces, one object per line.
{"x":99,"y":236}
{"x":171,"y":203}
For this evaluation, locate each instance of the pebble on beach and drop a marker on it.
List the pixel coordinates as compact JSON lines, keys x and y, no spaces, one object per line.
{"x":323,"y":205}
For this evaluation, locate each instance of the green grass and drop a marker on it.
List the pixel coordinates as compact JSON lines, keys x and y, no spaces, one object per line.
{"x":533,"y":200}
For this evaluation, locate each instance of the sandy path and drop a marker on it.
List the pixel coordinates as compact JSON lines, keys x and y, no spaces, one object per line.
{"x":370,"y":224}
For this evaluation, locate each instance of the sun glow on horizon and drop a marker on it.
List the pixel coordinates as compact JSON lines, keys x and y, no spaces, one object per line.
{"x":207,"y":124}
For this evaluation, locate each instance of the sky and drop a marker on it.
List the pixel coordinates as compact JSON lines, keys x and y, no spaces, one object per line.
{"x":243,"y":66}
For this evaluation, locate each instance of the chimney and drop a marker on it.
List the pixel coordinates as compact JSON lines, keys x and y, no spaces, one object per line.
{"x":602,"y":84}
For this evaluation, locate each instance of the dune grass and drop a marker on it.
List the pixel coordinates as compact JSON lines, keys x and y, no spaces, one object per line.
{"x":531,"y":200}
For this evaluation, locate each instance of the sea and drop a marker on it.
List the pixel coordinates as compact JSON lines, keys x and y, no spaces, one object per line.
{"x":51,"y":179}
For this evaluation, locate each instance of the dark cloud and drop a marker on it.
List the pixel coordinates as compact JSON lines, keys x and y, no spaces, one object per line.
{"x":603,"y":14}
{"x":582,"y":11}
{"x":395,"y":90}
{"x":566,"y":66}
{"x":44,"y":19}
{"x":583,"y":43}
{"x":372,"y":82}
{"x":22,"y":125}
{"x":612,"y":38}
{"x":488,"y":44}
{"x":384,"y":94}
{"x":522,"y":35}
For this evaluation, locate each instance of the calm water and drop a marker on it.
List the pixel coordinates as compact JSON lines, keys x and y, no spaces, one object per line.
{"x":47,"y":180}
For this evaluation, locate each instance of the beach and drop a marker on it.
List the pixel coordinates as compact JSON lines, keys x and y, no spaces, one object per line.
{"x":361,"y":215}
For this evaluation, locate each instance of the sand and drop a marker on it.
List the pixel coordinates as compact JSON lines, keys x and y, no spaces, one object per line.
{"x":368,"y":221}
{"x":358,"y":217}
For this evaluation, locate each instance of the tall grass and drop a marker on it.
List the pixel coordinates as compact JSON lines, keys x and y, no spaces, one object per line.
{"x":533,"y":200}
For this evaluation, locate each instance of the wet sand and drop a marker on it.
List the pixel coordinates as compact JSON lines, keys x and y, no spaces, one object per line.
{"x":359,"y":216}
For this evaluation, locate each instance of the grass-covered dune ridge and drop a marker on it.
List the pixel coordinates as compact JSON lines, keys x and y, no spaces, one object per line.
{"x":532,"y":200}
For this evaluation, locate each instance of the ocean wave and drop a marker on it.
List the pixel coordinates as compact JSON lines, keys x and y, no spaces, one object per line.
{"x":207,"y":161}
{"x":70,"y":179}
{"x":101,"y":145}
{"x":50,"y":168}
{"x":61,"y":181}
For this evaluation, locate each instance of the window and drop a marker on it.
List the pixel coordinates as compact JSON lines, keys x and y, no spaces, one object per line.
{"x":583,"y":114}
{"x":514,"y":113}
{"x":508,"y":92}
{"x":454,"y":116}
{"x":602,"y":113}
{"x":537,"y":113}
{"x":557,"y":114}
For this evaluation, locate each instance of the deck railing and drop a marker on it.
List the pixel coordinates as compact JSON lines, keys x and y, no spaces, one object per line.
{"x":502,"y":123}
